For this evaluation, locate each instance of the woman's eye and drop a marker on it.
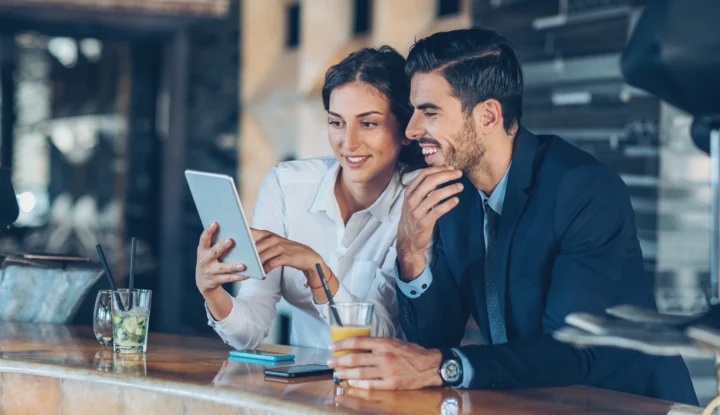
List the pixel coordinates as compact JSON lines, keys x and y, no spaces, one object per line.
{"x":368,"y":124}
{"x":335,"y":123}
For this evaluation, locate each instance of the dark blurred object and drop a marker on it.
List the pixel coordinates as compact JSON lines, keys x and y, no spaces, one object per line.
{"x":52,"y":257}
{"x":48,"y":291}
{"x":674,"y":53}
{"x":643,"y":330}
{"x":8,"y":202}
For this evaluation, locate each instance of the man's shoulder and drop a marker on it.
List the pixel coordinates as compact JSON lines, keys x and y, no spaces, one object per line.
{"x":564,"y":156}
{"x":562,"y":160}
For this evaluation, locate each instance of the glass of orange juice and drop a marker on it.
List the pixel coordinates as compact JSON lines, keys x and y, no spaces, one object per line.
{"x":355,"y":321}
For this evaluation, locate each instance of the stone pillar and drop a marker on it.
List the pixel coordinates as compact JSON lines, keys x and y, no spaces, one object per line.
{"x":262,"y":48}
{"x":397,"y":23}
{"x":326,"y":32}
{"x":326,"y":27}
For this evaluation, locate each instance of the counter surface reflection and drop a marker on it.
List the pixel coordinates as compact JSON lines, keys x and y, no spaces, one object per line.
{"x":63,"y":369}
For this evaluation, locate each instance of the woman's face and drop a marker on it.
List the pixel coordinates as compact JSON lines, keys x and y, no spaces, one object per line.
{"x":363,"y":133}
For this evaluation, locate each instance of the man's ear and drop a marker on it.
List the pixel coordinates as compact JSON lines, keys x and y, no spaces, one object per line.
{"x":487,"y":116}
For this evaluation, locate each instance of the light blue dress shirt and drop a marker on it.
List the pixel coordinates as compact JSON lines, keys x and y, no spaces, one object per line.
{"x":418,"y":286}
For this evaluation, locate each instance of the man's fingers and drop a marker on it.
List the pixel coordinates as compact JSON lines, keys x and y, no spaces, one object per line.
{"x":217,"y":251}
{"x":366,"y":372}
{"x":206,"y":237}
{"x":374,"y":344}
{"x":376,"y":384}
{"x":423,"y":174}
{"x":356,"y":360}
{"x":438,"y":211}
{"x":429,"y":184}
{"x":220,"y":268}
{"x":435,"y":197}
{"x":432,"y":182}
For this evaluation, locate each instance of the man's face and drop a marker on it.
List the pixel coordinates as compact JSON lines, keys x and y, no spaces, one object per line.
{"x":445,"y":132}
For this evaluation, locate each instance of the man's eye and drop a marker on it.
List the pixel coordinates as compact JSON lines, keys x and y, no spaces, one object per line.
{"x":335,"y":123}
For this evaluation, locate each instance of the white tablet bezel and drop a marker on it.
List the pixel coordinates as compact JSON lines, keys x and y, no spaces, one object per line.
{"x":229,"y":227}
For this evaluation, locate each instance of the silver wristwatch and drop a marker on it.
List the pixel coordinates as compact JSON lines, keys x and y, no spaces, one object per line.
{"x":451,"y":370}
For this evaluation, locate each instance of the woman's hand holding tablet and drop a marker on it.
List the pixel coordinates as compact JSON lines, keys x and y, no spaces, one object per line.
{"x":230,"y":251}
{"x":210,"y":273}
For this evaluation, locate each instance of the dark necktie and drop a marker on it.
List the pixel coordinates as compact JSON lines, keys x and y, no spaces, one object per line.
{"x":496,"y":316}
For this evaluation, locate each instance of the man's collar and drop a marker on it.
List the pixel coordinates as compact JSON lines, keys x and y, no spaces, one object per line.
{"x":496,"y":199}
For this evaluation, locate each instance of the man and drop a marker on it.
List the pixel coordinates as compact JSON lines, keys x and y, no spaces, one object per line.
{"x":529,"y":229}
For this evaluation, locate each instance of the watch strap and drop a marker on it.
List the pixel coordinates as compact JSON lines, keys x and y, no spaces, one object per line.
{"x":448,"y":354}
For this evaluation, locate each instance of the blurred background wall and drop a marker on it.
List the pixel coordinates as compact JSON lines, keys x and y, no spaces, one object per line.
{"x":104,"y":104}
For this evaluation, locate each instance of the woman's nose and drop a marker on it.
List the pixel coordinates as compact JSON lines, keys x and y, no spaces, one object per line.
{"x":352,"y":139}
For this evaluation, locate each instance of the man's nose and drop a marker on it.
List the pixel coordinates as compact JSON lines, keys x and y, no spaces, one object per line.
{"x":415,"y":130}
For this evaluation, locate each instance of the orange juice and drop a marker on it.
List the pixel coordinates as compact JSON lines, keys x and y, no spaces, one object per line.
{"x":338,"y":333}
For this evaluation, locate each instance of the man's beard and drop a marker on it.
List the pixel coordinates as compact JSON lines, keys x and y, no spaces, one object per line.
{"x":468,"y":151}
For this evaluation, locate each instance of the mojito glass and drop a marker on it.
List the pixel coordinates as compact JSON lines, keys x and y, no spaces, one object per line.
{"x":131,"y":317}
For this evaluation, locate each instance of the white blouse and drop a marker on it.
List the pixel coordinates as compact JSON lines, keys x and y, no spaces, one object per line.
{"x":297,"y":201}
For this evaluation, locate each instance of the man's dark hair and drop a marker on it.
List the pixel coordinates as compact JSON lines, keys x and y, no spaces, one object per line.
{"x":479,"y":64}
{"x":384,"y":69}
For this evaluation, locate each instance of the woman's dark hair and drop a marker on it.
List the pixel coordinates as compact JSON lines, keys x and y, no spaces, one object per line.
{"x":384,"y":69}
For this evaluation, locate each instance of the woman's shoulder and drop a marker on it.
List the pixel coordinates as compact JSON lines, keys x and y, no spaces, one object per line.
{"x":407,"y":178}
{"x":311,"y":170}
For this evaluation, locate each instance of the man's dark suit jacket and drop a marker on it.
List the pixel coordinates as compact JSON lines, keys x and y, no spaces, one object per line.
{"x":566,"y":242}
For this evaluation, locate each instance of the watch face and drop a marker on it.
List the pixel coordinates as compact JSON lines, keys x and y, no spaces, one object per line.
{"x":451,"y":371}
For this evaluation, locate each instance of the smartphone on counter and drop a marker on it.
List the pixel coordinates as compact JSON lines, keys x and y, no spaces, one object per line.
{"x":264,"y":355}
{"x":295,"y":381}
{"x":299,"y":371}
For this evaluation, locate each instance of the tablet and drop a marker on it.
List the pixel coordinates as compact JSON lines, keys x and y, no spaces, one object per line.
{"x":216,"y":199}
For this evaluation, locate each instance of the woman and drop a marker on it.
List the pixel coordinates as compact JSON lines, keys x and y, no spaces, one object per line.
{"x":341,"y":213}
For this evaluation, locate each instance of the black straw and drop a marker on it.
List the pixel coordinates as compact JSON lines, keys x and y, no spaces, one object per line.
{"x":132,"y":264}
{"x":109,"y":276}
{"x":131,"y":284}
{"x":328,"y":294}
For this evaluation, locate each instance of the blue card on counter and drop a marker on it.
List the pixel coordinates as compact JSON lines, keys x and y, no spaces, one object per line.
{"x":261,"y":356}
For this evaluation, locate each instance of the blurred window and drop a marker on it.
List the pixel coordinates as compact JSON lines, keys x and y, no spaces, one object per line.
{"x":448,"y":7}
{"x":363,"y":17}
{"x":292,"y":39}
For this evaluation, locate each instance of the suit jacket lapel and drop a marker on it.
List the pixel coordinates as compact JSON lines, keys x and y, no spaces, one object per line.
{"x":462,"y":234}
{"x":516,"y":195}
{"x":459,"y":230}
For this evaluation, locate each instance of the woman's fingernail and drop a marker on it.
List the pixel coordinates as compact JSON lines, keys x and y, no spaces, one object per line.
{"x":329,"y":363}
{"x":340,"y":374}
{"x":240,"y":267}
{"x":228,"y":242}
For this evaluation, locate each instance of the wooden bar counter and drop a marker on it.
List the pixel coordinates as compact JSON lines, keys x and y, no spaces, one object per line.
{"x":54,"y":369}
